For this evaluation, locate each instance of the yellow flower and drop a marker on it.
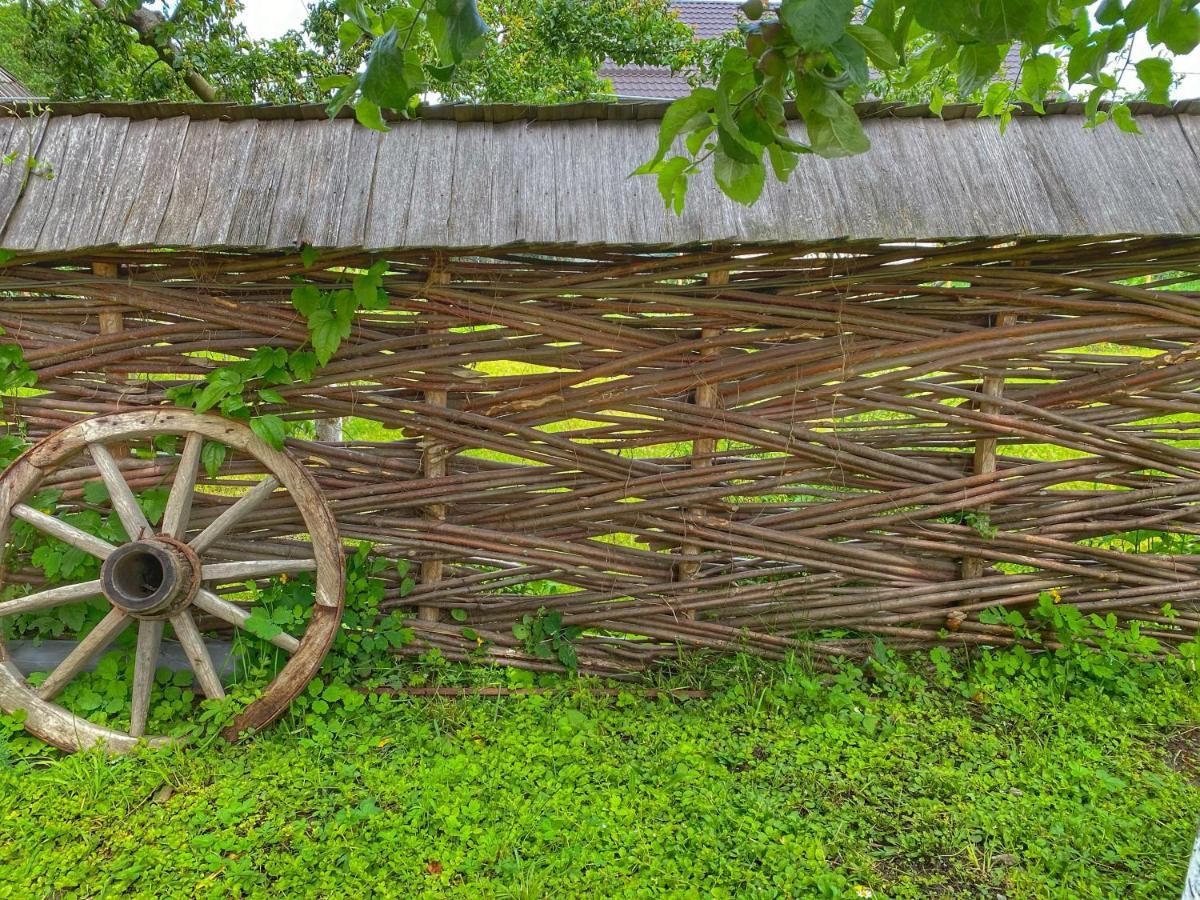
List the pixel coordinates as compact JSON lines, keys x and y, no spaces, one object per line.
{"x":283,"y":578}
{"x":1055,"y":595}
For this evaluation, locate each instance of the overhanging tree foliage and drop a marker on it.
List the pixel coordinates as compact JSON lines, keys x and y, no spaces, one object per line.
{"x":819,"y":54}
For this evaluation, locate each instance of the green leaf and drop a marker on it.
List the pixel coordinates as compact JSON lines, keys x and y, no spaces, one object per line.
{"x":344,"y":307}
{"x":783,"y":162}
{"x":672,"y":182}
{"x":326,"y":334}
{"x":568,"y":657}
{"x":1179,"y":30}
{"x":333,"y":82}
{"x":937,"y":100}
{"x":876,"y":45}
{"x":1155,"y":75}
{"x":834,"y":129}
{"x":385,"y":80}
{"x":369,"y":116}
{"x":302,"y":364}
{"x":1109,"y":12}
{"x":213,"y":457}
{"x":153,"y":502}
{"x":1124,"y":118}
{"x":457,"y":30}
{"x":735,"y":82}
{"x":1085,"y":59}
{"x":341,"y":98}
{"x":458,"y":615}
{"x":260,"y":625}
{"x":1039,"y":76}
{"x":940,"y":16}
{"x":306,"y":299}
{"x":356,"y":11}
{"x":6,"y":255}
{"x":977,"y":63}
{"x":853,"y":58}
{"x":1002,"y":21}
{"x":95,"y":492}
{"x":682,"y":117}
{"x":816,"y":24}
{"x":741,"y":181}
{"x":271,"y":429}
{"x":308,"y":255}
{"x":214,"y":393}
{"x":266,"y":395}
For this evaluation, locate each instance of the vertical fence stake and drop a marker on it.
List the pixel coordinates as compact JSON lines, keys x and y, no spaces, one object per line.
{"x":984,"y":460}
{"x":112,"y":323}
{"x":433,"y":462}
{"x":704,"y":397}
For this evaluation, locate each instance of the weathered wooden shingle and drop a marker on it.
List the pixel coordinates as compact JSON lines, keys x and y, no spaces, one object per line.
{"x":462,"y":177}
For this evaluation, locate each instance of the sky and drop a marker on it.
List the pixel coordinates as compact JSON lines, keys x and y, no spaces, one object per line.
{"x":271,"y":18}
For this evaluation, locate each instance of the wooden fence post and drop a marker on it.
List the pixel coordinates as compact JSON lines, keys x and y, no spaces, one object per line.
{"x":704,"y":397}
{"x":433,"y":461}
{"x":112,"y":323}
{"x":984,"y":460}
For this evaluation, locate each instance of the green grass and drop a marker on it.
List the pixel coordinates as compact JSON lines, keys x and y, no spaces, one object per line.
{"x":774,"y":786}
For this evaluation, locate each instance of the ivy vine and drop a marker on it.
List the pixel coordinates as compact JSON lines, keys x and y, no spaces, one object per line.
{"x":242,"y":389}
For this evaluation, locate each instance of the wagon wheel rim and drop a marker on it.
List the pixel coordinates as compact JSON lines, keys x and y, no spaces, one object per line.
{"x":160,"y":576}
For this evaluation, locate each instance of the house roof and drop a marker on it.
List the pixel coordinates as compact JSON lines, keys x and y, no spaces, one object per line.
{"x":11,"y":89}
{"x":464,"y":177}
{"x":710,"y":19}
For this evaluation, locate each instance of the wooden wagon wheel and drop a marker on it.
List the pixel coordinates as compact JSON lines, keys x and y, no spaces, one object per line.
{"x":160,"y":576}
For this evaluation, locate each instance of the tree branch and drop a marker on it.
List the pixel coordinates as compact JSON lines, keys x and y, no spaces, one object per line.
{"x":147,"y":22}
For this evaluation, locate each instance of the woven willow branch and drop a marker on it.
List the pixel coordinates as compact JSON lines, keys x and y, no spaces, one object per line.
{"x":727,"y":448}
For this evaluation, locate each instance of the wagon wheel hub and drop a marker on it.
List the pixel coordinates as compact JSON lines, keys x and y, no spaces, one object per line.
{"x":151,"y":579}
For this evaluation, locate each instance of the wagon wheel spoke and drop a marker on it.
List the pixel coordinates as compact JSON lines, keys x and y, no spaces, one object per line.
{"x":119,"y":493}
{"x":249,"y":502}
{"x":236,"y":616}
{"x":67,"y":593}
{"x":179,"y":501}
{"x":149,"y":640}
{"x":197,"y":654}
{"x":68,"y":534}
{"x":98,"y":638}
{"x":258,"y":568}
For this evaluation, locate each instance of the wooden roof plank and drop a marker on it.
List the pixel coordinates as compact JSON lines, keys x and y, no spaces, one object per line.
{"x":192,"y":178}
{"x":36,"y":202}
{"x":256,"y":183}
{"x":366,"y":147}
{"x":70,"y":184}
{"x":250,"y":222}
{"x":231,"y":156}
{"x":388,"y":194}
{"x":126,"y":180}
{"x":432,"y":187}
{"x":294,"y":194}
{"x":327,"y":191}
{"x":150,"y":202}
{"x":472,"y":214}
{"x":24,"y":137}
{"x":98,"y":183}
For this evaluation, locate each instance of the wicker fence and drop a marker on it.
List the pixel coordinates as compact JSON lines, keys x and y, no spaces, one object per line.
{"x":759,"y":448}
